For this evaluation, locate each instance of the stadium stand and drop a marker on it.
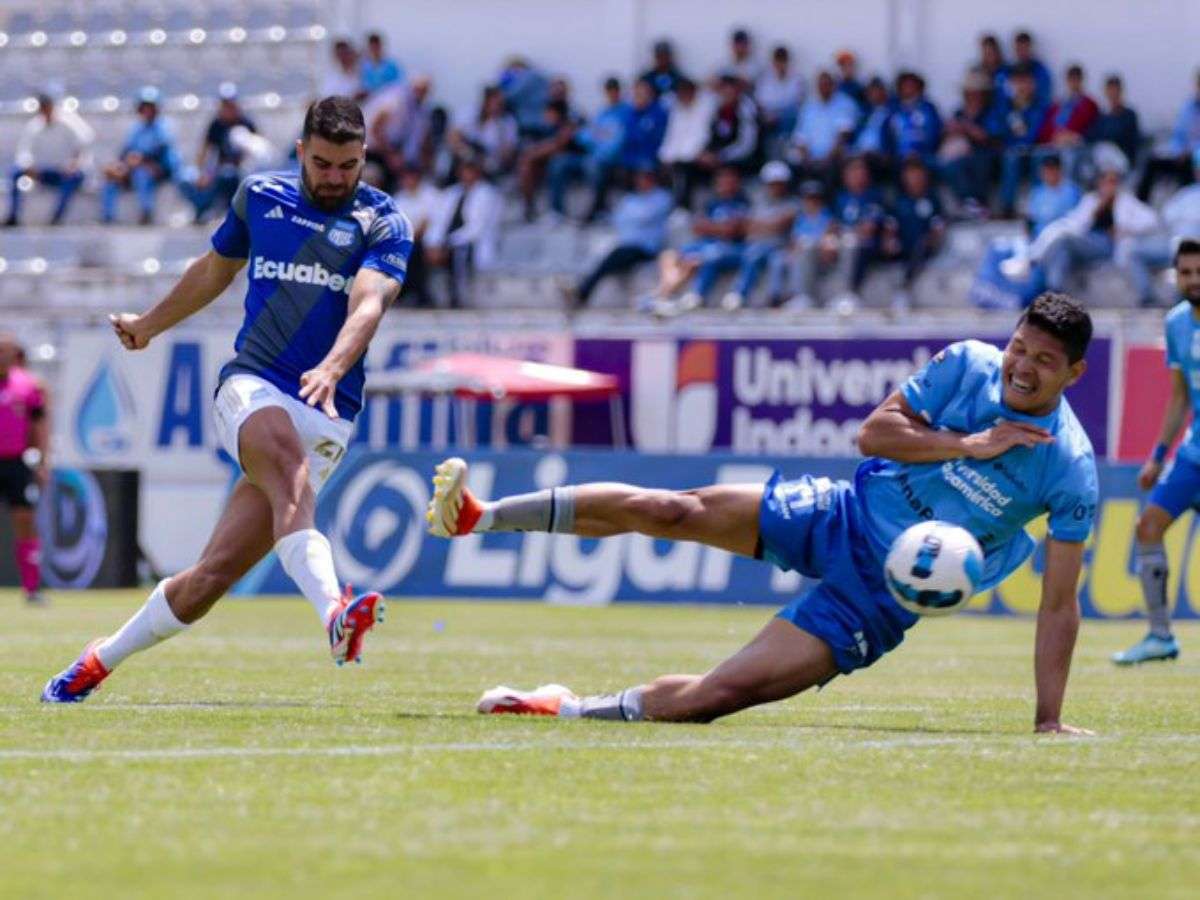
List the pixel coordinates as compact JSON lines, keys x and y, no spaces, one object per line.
{"x":98,"y":56}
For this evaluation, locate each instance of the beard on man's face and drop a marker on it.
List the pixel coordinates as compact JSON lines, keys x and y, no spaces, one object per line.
{"x":327,"y":198}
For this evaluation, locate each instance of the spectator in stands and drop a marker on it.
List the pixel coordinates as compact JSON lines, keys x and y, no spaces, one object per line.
{"x":647,"y":127}
{"x":1068,"y":120}
{"x":603,"y":141}
{"x":420,"y":201}
{"x":1022,"y":122}
{"x":1118,"y":124}
{"x":1181,"y":214}
{"x":489,"y":134}
{"x":147,"y":159}
{"x":970,"y":149}
{"x":848,"y":83}
{"x":561,"y":142}
{"x":689,"y":121}
{"x":54,"y":149}
{"x":640,"y":222}
{"x":377,"y":70}
{"x":733,"y":131}
{"x":779,"y":92}
{"x":916,"y":228}
{"x":1175,"y":160}
{"x":1025,"y":57}
{"x":827,"y":121}
{"x":1052,"y":197}
{"x":344,"y":78}
{"x":218,"y":166}
{"x":1105,"y":225}
{"x":663,"y":73}
{"x":765,"y":231}
{"x":742,"y":61}
{"x":718,"y":244}
{"x":399,"y":121}
{"x":871,"y":141}
{"x":464,"y":232}
{"x":812,"y":249}
{"x":915,"y":126}
{"x":992,"y":64}
{"x":859,"y":214}
{"x":526,"y":91}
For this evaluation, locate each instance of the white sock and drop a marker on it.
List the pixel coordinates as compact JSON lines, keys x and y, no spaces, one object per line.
{"x":308,"y":559}
{"x":150,"y":625}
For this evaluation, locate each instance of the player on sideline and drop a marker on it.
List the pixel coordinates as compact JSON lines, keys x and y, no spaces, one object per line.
{"x":1179,"y":488}
{"x":980,"y":438}
{"x":328,"y":256}
{"x":24,"y":460}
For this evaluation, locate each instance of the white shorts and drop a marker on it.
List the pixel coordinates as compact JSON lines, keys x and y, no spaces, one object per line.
{"x":324,"y":439}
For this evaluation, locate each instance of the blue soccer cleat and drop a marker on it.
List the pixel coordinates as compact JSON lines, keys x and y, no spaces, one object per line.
{"x":350,"y":624}
{"x":1150,"y":648}
{"x":78,"y":680}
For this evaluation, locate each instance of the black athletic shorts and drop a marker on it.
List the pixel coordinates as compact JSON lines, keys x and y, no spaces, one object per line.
{"x":18,"y":487}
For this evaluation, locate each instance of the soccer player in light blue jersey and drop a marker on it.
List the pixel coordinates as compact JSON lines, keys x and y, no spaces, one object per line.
{"x":980,"y":437}
{"x":1179,"y":488}
{"x":326,"y":256}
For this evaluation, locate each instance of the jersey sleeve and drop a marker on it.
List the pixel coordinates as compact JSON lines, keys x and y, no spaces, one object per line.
{"x":232,"y":237}
{"x":929,"y":390}
{"x":1174,"y":351}
{"x":1073,"y":501}
{"x":389,"y":244}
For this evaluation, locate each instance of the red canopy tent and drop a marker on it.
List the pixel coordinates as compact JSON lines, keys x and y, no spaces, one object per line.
{"x":474,"y":377}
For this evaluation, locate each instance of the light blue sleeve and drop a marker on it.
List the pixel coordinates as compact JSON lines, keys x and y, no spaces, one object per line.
{"x":928,"y":391}
{"x":1174,"y":351}
{"x":1072,"y":502}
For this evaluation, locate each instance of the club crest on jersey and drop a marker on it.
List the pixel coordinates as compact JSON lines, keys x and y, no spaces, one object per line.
{"x":342,"y":234}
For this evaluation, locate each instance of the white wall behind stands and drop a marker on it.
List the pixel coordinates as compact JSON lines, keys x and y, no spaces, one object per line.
{"x":463,"y":43}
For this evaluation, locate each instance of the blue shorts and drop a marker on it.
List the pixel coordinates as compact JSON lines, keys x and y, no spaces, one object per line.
{"x":1179,"y":488}
{"x":814,"y":526}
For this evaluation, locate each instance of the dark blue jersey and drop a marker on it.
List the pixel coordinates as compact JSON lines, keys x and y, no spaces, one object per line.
{"x":302,"y":262}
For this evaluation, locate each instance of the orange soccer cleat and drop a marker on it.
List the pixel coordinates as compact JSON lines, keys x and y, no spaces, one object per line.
{"x":546,"y":700}
{"x":453,"y":510}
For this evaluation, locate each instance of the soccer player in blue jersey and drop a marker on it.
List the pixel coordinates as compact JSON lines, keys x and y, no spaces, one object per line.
{"x":1179,"y":488}
{"x":326,"y":256}
{"x":980,"y":437}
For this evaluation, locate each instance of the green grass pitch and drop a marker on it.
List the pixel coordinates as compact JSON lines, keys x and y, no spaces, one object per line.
{"x":237,"y":761}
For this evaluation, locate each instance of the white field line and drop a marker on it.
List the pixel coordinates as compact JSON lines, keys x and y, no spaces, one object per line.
{"x":914,"y":740}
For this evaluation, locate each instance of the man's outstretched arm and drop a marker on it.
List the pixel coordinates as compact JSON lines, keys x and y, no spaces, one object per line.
{"x":204,"y":280}
{"x":894,"y":431}
{"x":1057,"y":626}
{"x":372,"y":293}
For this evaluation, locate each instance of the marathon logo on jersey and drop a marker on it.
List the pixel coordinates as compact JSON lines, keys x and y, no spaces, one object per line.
{"x":303,"y":273}
{"x":342,"y":234}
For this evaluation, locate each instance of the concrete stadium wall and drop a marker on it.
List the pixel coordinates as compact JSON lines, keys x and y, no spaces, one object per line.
{"x":463,"y":43}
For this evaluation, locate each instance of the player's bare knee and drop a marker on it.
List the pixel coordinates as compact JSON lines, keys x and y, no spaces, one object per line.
{"x":664,"y":512}
{"x":1150,"y":527}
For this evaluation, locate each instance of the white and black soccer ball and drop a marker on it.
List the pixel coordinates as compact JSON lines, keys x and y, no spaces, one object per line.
{"x":933,"y":568}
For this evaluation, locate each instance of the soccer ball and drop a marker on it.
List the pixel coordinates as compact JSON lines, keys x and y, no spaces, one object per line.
{"x":933,"y":568}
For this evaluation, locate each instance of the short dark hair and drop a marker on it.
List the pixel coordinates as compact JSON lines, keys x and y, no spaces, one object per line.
{"x":612,"y":83}
{"x":1052,"y":159}
{"x":1021,"y":70}
{"x":1186,"y":247}
{"x":374,"y":38}
{"x":1062,"y":317}
{"x":1075,"y":70}
{"x":336,"y":119}
{"x":740,"y":36}
{"x":1114,"y":79}
{"x":1023,"y":37}
{"x":781,"y":52}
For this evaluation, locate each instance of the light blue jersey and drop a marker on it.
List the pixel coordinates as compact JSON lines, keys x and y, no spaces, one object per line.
{"x":961,"y":389}
{"x":1183,"y":355}
{"x":302,"y":263}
